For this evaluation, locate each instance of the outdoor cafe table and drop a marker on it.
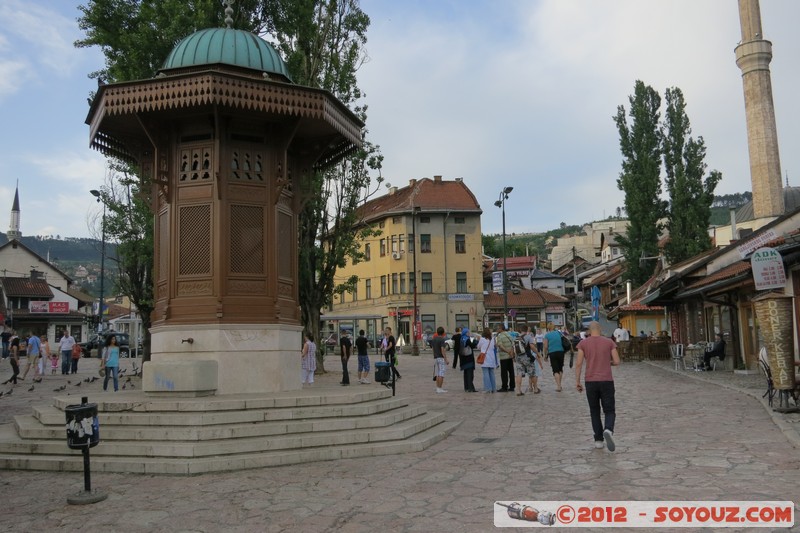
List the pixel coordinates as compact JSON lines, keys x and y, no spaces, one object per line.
{"x":696,"y":351}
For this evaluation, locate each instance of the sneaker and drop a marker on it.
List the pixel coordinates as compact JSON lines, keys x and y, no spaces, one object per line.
{"x":366,"y":382}
{"x":440,"y":391}
{"x":599,"y":444}
{"x":608,"y":436}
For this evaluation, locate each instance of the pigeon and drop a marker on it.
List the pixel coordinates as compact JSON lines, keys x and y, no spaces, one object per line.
{"x":94,"y":378}
{"x":68,"y":383}
{"x":87,"y":380}
{"x":31,"y":389}
{"x":1,"y":394}
{"x":9,"y":391}
{"x":78,"y":384}
{"x":123,"y":386}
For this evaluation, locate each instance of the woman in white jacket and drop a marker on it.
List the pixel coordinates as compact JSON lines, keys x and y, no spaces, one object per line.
{"x":489,"y":354}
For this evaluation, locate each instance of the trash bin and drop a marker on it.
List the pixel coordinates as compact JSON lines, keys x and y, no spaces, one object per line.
{"x":383,"y":372}
{"x":83,"y":427}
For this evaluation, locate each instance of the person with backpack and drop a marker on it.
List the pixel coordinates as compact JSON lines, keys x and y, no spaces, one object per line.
{"x":527,"y":361}
{"x":505,"y":352}
{"x":463,"y":351}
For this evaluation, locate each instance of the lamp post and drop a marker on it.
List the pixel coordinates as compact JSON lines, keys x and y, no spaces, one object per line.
{"x":97,"y":195}
{"x":414,"y":345}
{"x":501,"y":203}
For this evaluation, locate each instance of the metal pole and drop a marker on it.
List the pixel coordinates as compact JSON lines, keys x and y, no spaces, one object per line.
{"x":102,"y":269}
{"x":414,"y":345}
{"x":575,"y":277}
{"x":505,"y":272}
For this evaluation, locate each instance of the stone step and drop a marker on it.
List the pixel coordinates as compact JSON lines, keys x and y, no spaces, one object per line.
{"x":14,"y":444}
{"x":392,"y":412}
{"x":137,"y":401}
{"x":112,"y":413}
{"x":191,"y":466}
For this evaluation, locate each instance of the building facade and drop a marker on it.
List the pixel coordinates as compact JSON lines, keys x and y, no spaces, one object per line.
{"x":436,"y":225}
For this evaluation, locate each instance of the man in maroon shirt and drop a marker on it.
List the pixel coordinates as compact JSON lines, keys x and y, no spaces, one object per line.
{"x":600,"y":354}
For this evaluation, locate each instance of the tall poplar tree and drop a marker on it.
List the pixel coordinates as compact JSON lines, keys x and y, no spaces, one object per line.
{"x":690,"y":195}
{"x":640,"y":179}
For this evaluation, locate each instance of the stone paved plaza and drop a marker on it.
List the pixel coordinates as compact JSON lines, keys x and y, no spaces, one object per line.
{"x":680,"y":436}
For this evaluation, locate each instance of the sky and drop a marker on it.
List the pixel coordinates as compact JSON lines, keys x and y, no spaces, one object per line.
{"x":501,"y":93}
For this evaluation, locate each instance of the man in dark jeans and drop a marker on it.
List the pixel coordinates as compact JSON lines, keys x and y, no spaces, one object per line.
{"x":505,"y":352}
{"x":718,"y":350}
{"x":347,"y":348}
{"x":600,"y":354}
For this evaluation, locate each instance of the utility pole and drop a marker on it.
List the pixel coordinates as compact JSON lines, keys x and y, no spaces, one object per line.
{"x":575,"y":278}
{"x":414,"y":345}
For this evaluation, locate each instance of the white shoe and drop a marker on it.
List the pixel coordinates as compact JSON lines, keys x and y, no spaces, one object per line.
{"x":608,"y":436}
{"x":599,"y":444}
{"x":439,"y":391}
{"x":366,"y":382}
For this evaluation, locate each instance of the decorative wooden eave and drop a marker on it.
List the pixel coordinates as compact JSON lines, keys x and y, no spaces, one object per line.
{"x":212,"y":87}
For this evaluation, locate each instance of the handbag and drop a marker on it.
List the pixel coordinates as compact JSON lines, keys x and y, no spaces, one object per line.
{"x":481,"y":358}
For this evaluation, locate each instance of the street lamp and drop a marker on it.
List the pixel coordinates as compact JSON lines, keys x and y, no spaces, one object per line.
{"x":414,"y":345}
{"x":501,"y":203}
{"x":97,"y":195}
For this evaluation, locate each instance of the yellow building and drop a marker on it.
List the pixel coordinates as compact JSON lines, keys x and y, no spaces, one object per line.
{"x":435,"y":223}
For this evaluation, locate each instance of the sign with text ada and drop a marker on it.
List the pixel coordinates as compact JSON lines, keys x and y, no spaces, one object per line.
{"x":768,"y":271}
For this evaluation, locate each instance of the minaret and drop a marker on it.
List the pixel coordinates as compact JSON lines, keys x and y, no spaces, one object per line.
{"x":13,"y":228}
{"x":753,"y":56}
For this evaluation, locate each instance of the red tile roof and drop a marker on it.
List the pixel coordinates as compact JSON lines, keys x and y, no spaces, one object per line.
{"x":725,"y":273}
{"x":431,"y":196}
{"x":26,"y":288}
{"x":525,"y":298}
{"x":637,"y":306}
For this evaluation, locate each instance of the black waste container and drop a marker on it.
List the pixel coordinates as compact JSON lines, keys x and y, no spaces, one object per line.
{"x":83,"y":427}
{"x":383,"y":372}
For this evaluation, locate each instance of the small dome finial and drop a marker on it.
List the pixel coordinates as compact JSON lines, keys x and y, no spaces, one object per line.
{"x":229,"y":13}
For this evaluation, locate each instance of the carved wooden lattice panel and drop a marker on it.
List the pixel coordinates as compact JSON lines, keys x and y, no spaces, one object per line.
{"x":247,"y":165}
{"x":194,"y":237}
{"x":286,"y":247}
{"x":195,"y":164}
{"x":247,"y":239}
{"x":163,"y":244}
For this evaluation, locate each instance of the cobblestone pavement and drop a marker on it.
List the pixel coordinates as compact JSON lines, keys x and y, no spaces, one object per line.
{"x":679,"y":437}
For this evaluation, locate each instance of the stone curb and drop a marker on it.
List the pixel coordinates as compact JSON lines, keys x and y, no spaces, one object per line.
{"x":789,"y":432}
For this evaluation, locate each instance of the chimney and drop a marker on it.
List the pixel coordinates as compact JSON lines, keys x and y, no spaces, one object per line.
{"x":412,"y":182}
{"x":437,"y":178}
{"x":392,"y":190}
{"x":459,"y":180}
{"x":734,"y":236}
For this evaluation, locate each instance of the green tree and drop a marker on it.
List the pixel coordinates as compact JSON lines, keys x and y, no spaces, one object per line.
{"x":640,"y":179}
{"x":690,"y":195}
{"x":129,"y":223}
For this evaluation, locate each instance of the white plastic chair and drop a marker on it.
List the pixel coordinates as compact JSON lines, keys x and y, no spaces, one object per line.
{"x":677,"y":355}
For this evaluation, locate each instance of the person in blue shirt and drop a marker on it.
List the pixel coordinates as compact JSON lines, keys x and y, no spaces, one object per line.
{"x":111,"y":362}
{"x":34,"y":352}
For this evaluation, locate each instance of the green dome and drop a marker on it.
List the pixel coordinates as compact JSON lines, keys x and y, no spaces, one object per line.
{"x":227,"y":46}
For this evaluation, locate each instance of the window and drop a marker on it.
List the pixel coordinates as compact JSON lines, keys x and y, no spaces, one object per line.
{"x":462,"y":321}
{"x":355,"y":292}
{"x":368,"y":289}
{"x":394,"y":244}
{"x":411,"y":243}
{"x":615,"y":251}
{"x":394,"y":284}
{"x":459,"y":220}
{"x":367,"y":252}
{"x":397,"y":220}
{"x":461,"y":282}
{"x":382,"y":224}
{"x":412,"y":282}
{"x":383,"y":285}
{"x":402,"y":282}
{"x":428,"y":324}
{"x":424,"y":220}
{"x":402,"y":243}
{"x":425,"y":243}
{"x":427,"y":283}
{"x":461,"y":244}
{"x":383,"y":247}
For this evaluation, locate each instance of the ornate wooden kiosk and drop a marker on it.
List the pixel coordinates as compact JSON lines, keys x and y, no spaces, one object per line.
{"x":227,"y":141}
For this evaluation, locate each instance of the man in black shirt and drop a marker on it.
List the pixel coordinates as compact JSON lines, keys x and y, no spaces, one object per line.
{"x":439,"y":358}
{"x":390,"y":349}
{"x":362,"y":347}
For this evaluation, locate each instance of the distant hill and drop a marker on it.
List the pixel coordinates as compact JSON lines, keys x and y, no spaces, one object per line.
{"x":67,"y":249}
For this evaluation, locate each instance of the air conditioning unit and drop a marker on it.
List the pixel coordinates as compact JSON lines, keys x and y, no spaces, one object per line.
{"x":395,"y":255}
